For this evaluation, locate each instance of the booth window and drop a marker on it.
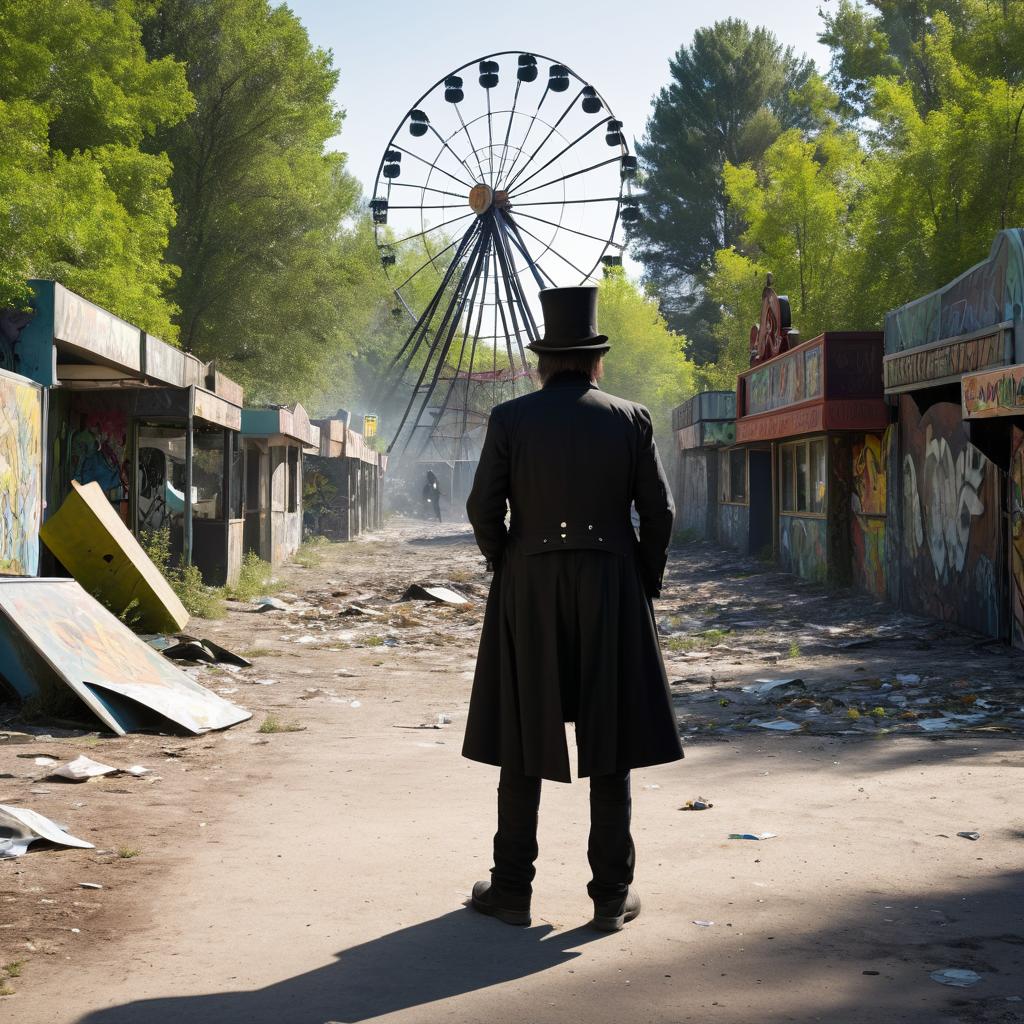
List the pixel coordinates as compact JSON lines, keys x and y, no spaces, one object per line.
{"x":733,"y":471}
{"x":235,"y":510}
{"x":293,"y":479}
{"x":804,"y":483}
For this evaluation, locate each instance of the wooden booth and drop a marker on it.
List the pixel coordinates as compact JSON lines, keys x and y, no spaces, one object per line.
{"x":703,"y":425}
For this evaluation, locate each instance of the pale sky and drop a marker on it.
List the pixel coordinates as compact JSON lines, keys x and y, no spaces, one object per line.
{"x":390,"y":53}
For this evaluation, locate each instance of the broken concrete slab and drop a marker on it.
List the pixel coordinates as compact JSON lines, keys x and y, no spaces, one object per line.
{"x":54,"y":638}
{"x":96,"y":547}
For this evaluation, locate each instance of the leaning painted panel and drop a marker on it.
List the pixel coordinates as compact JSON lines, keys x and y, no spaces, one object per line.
{"x":94,"y":545}
{"x":803,"y":547}
{"x":950,"y":548}
{"x":121,"y":679}
{"x":21,"y":468}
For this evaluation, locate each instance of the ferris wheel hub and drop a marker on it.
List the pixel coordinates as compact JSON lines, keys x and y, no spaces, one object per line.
{"x":480,"y":198}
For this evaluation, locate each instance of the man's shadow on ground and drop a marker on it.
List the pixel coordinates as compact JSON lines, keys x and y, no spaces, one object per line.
{"x":457,"y":953}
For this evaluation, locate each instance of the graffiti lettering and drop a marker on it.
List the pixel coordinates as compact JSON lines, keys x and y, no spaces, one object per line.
{"x":950,"y":360}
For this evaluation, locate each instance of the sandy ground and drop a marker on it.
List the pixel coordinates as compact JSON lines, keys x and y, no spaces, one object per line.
{"x":319,"y":876}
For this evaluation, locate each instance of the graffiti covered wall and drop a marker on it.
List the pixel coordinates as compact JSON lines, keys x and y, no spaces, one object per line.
{"x":1017,"y":538}
{"x":867,"y":504}
{"x":21,"y":469}
{"x":950,"y":547}
{"x":803,"y":547}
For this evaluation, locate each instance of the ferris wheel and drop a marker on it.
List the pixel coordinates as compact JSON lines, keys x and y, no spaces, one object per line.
{"x":509,"y":175}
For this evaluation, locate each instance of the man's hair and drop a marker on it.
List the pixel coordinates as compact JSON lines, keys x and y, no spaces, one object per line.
{"x":587,"y":363}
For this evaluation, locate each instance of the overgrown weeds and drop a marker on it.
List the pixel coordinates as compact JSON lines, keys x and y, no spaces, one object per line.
{"x":698,"y":641}
{"x":255,"y":578}
{"x":272,"y":724}
{"x":310,"y":553}
{"x":186,"y":580}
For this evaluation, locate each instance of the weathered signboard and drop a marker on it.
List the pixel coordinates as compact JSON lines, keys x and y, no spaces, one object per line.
{"x":993,"y":393}
{"x":946,"y":361}
{"x":21,"y":469}
{"x":707,"y":434}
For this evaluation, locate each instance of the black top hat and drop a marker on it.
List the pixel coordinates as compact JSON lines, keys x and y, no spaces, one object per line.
{"x":570,"y":321}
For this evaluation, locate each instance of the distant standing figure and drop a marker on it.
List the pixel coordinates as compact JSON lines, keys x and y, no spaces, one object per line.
{"x":432,"y":494}
{"x":569,"y":633}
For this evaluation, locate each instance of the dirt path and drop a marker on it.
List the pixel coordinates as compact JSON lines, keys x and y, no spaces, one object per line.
{"x":316,"y":876}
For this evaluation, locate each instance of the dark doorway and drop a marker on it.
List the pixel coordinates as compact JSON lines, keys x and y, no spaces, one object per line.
{"x":760,"y":500}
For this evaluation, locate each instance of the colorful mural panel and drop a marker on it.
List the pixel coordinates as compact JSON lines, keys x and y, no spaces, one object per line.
{"x":870,"y":454}
{"x":991,"y":292}
{"x":803,"y":547}
{"x":950,"y":545}
{"x":995,"y":393}
{"x":21,"y":468}
{"x":787,"y":380}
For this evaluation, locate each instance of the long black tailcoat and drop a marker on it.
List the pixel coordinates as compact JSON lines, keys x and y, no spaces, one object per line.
{"x":569,"y":631}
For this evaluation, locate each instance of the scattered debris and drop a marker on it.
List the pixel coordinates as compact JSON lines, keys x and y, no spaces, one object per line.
{"x":417,"y":592}
{"x":700,"y":804}
{"x":974,"y":836}
{"x":190,"y":648}
{"x":958,"y":977}
{"x":779,"y":725}
{"x":753,"y":835}
{"x":20,"y":827}
{"x":89,"y":885}
{"x":82,"y":769}
{"x":763,"y":687}
{"x":704,"y":924}
{"x":270,"y":604}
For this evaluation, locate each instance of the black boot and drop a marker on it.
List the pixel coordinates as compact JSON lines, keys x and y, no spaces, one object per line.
{"x":485,"y":902}
{"x":612,"y":915}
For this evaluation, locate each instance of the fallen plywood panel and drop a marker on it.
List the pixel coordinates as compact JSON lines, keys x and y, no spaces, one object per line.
{"x":418,"y":592}
{"x":92,"y":543}
{"x":20,"y":827}
{"x":54,"y":635}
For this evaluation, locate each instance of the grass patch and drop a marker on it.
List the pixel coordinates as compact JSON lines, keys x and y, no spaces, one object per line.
{"x":128,"y":852}
{"x":698,"y":641}
{"x":254,"y":579}
{"x":255,"y":652}
{"x":794,"y":650}
{"x":14,"y":968}
{"x":310,"y":553}
{"x":373,"y":641}
{"x":5,"y":989}
{"x":272,"y":724}
{"x":186,"y":580}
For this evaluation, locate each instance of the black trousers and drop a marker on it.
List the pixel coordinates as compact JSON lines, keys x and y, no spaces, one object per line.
{"x":610,"y":848}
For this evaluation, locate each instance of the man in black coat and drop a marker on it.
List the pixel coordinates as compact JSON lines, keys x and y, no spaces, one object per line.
{"x":569,"y":632}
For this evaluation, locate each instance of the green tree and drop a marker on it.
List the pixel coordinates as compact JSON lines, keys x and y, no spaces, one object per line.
{"x":261,"y":203}
{"x":80,"y":201}
{"x":733,"y":90}
{"x":646,"y":363}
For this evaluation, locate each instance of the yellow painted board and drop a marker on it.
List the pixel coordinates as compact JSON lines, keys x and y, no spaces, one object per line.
{"x":95,"y":546}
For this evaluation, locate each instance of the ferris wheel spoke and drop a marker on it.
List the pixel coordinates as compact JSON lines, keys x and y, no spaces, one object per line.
{"x":567,"y":202}
{"x":571,"y":174}
{"x":548,"y":247}
{"x":469,"y":139}
{"x":513,"y":294}
{"x":551,"y":131}
{"x":529,"y":129}
{"x":564,"y":150}
{"x":472,"y":353}
{"x":435,"y":227}
{"x":490,"y":140}
{"x":423,"y":188}
{"x":582,"y":234}
{"x":433,"y":166}
{"x":423,"y":266}
{"x":508,"y":131}
{"x":444,"y":143}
